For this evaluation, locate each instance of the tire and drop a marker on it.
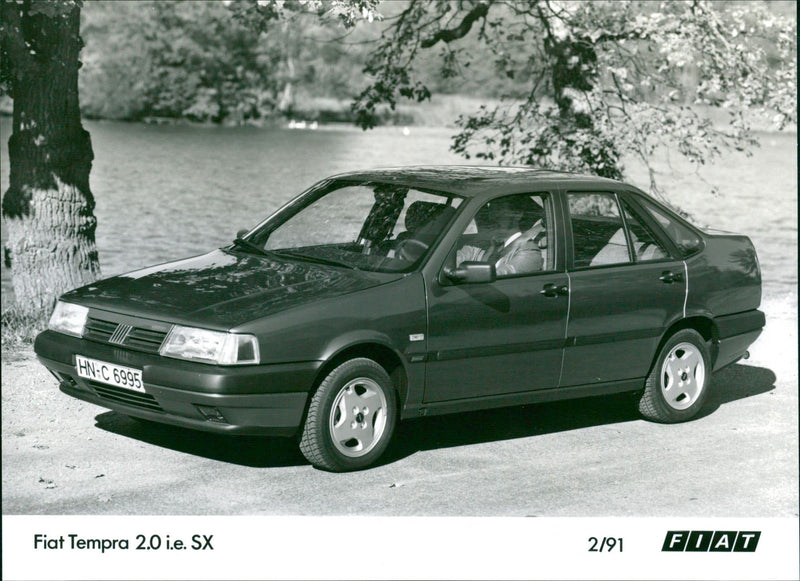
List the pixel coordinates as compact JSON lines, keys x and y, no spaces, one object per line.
{"x":351,"y":417}
{"x":677,"y":385}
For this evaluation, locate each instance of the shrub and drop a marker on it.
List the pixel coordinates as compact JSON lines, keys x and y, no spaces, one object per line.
{"x":19,"y":328}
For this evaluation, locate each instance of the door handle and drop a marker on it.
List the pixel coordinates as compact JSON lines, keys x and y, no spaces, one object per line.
{"x":553,"y":290}
{"x":668,"y":277}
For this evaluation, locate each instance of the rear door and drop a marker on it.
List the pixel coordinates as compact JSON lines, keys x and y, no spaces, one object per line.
{"x":625,"y":289}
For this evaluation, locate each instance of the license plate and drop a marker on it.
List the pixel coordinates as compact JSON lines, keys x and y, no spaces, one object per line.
{"x":117,"y":375}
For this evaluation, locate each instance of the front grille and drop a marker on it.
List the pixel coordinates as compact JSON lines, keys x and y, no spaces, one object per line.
{"x":138,"y":338}
{"x":128,"y":397}
{"x":145,"y":340}
{"x":99,"y":330}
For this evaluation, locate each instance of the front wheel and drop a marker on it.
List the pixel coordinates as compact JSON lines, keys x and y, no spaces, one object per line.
{"x":351,"y":417}
{"x":677,"y":385}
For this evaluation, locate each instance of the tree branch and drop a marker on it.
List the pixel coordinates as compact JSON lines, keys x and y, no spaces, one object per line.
{"x":460,"y":31}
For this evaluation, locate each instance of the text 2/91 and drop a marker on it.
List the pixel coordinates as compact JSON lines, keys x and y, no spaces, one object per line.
{"x":606,"y":544}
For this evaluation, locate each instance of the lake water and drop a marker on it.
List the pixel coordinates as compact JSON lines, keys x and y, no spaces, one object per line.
{"x":165,"y":192}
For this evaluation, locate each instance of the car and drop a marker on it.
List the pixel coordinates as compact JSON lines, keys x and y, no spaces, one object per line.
{"x":383,"y":295}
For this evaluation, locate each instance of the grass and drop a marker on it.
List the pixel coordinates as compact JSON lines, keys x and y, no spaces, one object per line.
{"x":19,"y":327}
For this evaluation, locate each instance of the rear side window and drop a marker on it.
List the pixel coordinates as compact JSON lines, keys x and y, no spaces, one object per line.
{"x":684,"y":238}
{"x":645,"y":243}
{"x":598,"y":234}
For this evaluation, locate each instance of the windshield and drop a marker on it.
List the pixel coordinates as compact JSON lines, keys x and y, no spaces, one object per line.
{"x":369,"y":226}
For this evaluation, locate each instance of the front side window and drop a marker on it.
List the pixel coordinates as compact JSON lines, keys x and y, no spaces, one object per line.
{"x":513,"y":233}
{"x":598,"y":233}
{"x":369,"y":226}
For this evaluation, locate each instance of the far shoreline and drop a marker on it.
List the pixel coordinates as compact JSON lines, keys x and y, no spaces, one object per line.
{"x":440,"y":112}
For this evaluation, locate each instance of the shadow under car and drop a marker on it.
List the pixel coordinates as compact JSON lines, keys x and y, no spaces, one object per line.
{"x":463,"y":429}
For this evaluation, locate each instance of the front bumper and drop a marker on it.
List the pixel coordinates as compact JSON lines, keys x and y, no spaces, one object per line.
{"x":246,"y":400}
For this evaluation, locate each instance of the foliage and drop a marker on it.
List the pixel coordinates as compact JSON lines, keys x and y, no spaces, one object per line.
{"x":257,"y":14}
{"x":604,"y":79}
{"x":187,"y":59}
{"x":129,"y":60}
{"x":216,"y":61}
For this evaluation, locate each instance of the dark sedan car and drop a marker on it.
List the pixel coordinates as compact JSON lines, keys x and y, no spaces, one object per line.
{"x":389,"y":294}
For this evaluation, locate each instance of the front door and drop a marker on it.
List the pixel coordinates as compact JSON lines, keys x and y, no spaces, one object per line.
{"x":495,"y":338}
{"x":506,"y":336}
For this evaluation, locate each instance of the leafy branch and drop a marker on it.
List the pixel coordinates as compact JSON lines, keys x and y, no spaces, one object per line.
{"x":607,"y":80}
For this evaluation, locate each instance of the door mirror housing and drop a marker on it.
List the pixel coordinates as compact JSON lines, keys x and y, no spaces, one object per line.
{"x":471,"y":272}
{"x":242,"y":232}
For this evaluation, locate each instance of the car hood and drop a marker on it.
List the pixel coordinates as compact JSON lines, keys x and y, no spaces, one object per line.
{"x":222,"y":289}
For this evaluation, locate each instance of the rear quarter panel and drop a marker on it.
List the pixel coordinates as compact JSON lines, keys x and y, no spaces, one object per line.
{"x":724,"y":278}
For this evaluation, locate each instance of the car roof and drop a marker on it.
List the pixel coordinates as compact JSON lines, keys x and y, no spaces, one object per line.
{"x":471,"y":180}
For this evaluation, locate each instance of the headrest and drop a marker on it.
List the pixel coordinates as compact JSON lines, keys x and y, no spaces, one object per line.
{"x":420,"y":213}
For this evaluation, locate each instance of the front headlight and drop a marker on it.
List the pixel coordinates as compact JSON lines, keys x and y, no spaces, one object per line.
{"x":210,"y":346}
{"x":68,"y":318}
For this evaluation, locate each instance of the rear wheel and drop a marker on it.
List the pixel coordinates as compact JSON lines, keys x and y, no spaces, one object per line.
{"x":677,"y":385}
{"x":351,"y":417}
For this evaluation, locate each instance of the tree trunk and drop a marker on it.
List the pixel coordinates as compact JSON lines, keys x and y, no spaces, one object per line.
{"x":48,"y":209}
{"x":286,"y":102}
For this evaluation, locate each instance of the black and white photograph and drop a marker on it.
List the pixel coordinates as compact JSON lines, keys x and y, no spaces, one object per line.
{"x":394,"y":289}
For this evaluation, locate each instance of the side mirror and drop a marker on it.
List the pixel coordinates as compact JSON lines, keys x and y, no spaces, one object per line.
{"x":242,"y":232}
{"x":471,"y":272}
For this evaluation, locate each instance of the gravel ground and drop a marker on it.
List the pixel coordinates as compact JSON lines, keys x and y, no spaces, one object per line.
{"x":592,"y":457}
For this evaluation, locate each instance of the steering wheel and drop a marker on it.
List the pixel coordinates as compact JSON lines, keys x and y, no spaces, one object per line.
{"x":411,"y":249}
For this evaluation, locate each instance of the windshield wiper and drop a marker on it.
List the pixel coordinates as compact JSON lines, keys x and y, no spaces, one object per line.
{"x":247,"y":244}
{"x":315,"y":259}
